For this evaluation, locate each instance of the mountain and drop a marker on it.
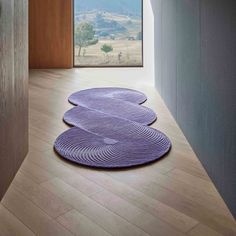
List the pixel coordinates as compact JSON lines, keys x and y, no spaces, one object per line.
{"x":124,"y":7}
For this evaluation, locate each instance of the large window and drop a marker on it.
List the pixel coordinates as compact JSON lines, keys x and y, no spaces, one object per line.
{"x":108,"y":33}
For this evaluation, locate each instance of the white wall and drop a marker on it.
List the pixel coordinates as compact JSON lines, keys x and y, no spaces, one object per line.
{"x":148,"y":33}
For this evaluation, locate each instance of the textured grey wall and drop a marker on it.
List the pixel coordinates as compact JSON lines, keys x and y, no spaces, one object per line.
{"x":195,"y":53}
{"x":13,"y":88}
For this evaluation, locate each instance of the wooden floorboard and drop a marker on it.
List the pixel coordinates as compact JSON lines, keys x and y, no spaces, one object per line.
{"x":50,"y":196}
{"x":11,"y":226}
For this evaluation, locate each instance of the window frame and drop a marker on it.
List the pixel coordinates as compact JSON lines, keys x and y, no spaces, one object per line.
{"x":108,"y":66}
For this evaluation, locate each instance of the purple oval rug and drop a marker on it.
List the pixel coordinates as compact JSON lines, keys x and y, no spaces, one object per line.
{"x":128,"y":95}
{"x":86,"y":148}
{"x":112,"y":108}
{"x":111,"y":130}
{"x":123,"y":103}
{"x":107,"y":126}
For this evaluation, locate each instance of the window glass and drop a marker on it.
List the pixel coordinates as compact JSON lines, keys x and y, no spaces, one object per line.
{"x":108,"y":33}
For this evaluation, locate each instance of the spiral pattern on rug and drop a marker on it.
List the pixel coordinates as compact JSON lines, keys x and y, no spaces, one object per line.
{"x":110,"y":130}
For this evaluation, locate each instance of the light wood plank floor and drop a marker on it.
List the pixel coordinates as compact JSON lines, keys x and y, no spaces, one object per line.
{"x":51,"y":197}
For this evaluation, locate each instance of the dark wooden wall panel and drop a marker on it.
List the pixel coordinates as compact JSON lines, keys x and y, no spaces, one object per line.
{"x":198,"y":48}
{"x":50,"y":33}
{"x":13,"y":88}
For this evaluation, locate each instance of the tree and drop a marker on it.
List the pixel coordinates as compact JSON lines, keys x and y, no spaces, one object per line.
{"x":84,"y":36}
{"x":106,"y":49}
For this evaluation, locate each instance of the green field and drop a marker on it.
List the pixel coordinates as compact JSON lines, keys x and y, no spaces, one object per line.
{"x":93,"y":56}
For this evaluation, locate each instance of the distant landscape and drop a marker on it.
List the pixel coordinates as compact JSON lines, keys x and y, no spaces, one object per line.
{"x":108,"y":32}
